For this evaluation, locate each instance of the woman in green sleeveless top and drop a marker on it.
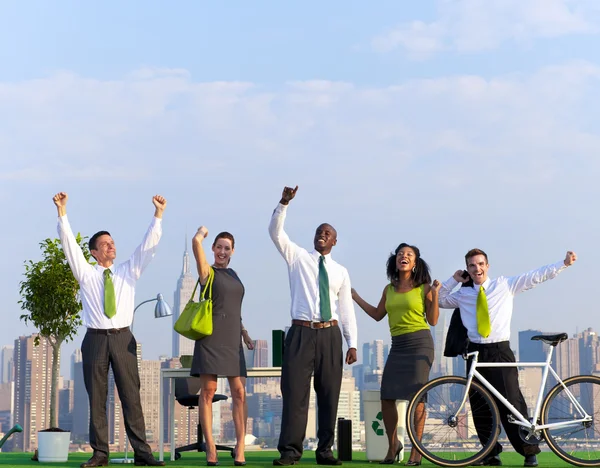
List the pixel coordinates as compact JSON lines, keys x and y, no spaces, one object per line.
{"x":411,"y":304}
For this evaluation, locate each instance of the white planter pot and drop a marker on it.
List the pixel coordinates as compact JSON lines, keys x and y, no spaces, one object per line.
{"x":53,"y":446}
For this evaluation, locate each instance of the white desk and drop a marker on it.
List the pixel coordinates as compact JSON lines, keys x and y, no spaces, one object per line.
{"x":171,"y":374}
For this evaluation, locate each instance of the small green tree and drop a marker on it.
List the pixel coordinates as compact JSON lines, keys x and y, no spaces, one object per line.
{"x":50,"y":295}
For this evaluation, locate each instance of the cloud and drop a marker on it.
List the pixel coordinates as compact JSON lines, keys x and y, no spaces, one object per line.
{"x":476,"y":25}
{"x":162,"y":123}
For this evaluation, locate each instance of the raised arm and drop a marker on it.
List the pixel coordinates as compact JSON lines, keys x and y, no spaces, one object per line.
{"x":376,"y":313}
{"x":532,"y":278}
{"x":79,"y":265}
{"x":446,"y":299}
{"x":432,"y":308}
{"x":201,"y":262}
{"x":286,"y":247}
{"x":144,"y":253}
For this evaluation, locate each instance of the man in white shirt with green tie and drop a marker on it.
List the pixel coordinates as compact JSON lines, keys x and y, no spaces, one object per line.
{"x":107,"y":293}
{"x":321,"y":299}
{"x":486,"y":311}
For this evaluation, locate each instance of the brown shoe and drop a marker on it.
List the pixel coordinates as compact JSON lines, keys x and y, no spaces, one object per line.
{"x":96,"y":460}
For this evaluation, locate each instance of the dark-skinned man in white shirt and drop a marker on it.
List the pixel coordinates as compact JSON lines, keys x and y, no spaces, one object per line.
{"x":321,"y":298}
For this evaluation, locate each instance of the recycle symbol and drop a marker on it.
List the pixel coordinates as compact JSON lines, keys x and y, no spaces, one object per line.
{"x":376,"y":424}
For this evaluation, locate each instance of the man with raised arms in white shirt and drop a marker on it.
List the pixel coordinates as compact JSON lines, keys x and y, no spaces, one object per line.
{"x":321,"y":299}
{"x":107,"y":295}
{"x":486,"y":311}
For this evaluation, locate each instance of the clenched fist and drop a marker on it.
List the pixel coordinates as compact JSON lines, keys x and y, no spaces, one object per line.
{"x":60,"y":199}
{"x":201,"y":233}
{"x":570,"y":258}
{"x":160,"y":203}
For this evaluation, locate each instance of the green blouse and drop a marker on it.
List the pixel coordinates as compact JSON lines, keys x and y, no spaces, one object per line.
{"x":406,"y":311}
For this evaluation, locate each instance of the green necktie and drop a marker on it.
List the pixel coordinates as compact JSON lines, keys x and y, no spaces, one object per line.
{"x":484,"y":326}
{"x":325,"y":304}
{"x":110,"y":303}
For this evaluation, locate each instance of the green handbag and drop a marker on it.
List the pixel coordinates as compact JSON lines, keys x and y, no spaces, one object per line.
{"x":195,"y":321}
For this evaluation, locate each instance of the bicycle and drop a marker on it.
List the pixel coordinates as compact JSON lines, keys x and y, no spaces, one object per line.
{"x":568,"y":418}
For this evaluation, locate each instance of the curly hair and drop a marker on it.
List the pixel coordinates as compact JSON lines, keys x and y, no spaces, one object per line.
{"x":420,"y":274}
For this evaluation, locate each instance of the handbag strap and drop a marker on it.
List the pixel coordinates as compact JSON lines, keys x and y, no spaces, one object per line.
{"x":208,"y":285}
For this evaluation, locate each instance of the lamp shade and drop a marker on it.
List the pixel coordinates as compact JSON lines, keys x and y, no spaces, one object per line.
{"x":162,"y":309}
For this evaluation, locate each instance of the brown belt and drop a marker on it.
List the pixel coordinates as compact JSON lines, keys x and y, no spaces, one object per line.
{"x":107,"y":331}
{"x":309,"y":324}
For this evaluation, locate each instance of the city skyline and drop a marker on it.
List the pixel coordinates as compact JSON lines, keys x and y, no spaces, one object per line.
{"x":578,"y":354}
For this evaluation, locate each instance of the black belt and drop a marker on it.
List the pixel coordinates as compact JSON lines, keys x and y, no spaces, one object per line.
{"x":497,"y":345}
{"x":107,"y":331}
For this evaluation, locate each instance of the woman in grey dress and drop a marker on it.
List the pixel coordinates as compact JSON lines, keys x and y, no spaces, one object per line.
{"x":219,"y":353}
{"x":411,"y":304}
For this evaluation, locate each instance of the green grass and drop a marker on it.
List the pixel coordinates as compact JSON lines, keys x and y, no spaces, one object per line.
{"x":257,"y":459}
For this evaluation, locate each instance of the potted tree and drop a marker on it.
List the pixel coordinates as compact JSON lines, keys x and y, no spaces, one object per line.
{"x":50,"y":296}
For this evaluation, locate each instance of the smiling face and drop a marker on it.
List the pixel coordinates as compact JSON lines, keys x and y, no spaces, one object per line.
{"x":223,"y":250}
{"x":406,"y":259}
{"x":325,"y":238}
{"x":105,"y":251}
{"x":477,"y":266}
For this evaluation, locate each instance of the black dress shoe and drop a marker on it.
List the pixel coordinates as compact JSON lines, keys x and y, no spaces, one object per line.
{"x":285,"y":461}
{"x":530,"y":460}
{"x":96,"y":460}
{"x":489,"y":461}
{"x":331,"y":461}
{"x":147,"y":460}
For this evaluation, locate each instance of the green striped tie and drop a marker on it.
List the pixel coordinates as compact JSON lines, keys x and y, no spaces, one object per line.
{"x":325,"y":304}
{"x":110,"y":303}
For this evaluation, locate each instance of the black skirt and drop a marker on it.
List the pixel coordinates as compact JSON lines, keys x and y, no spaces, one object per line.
{"x":408,"y":365}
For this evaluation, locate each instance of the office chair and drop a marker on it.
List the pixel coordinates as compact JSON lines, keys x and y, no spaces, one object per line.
{"x":186,"y":394}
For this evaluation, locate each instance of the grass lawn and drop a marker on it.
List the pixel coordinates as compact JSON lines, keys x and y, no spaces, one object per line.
{"x":257,"y":459}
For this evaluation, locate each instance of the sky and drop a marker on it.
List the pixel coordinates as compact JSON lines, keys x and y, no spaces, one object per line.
{"x":445,"y":124}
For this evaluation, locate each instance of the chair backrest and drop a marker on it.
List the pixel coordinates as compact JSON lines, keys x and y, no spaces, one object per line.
{"x":186,"y":386}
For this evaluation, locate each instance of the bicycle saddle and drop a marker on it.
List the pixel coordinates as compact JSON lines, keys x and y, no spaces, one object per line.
{"x":552,"y":340}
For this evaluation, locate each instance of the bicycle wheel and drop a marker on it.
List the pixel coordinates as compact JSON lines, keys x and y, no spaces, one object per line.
{"x":450,"y":439}
{"x":579,"y":443}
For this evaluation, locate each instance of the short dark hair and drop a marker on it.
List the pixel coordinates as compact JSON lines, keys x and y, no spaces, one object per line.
{"x":472,"y":253}
{"x":420,"y":276}
{"x":225,"y":235}
{"x":94,"y":238}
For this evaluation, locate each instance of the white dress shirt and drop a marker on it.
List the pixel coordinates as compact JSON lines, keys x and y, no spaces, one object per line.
{"x":500,"y":293}
{"x":303,"y":269}
{"x":124,"y":275}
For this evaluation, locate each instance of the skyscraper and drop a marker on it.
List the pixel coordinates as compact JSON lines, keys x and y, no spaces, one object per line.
{"x":33,"y":380}
{"x":589,"y":351}
{"x":185,"y":286}
{"x":6,"y":364}
{"x":442,"y":365}
{"x":531,"y":351}
{"x":81,"y":405}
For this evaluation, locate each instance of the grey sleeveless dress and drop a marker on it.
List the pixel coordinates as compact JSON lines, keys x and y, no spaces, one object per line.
{"x":221,"y":352}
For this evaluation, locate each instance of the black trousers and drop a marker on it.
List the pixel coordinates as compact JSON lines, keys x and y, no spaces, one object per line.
{"x":309,"y":351}
{"x":118,"y":350}
{"x":506,"y":381}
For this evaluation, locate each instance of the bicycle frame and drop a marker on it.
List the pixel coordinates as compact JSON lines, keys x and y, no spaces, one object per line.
{"x":520,"y":419}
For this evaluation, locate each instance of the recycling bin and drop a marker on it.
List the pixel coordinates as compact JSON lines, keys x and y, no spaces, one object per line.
{"x":376,"y":439}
